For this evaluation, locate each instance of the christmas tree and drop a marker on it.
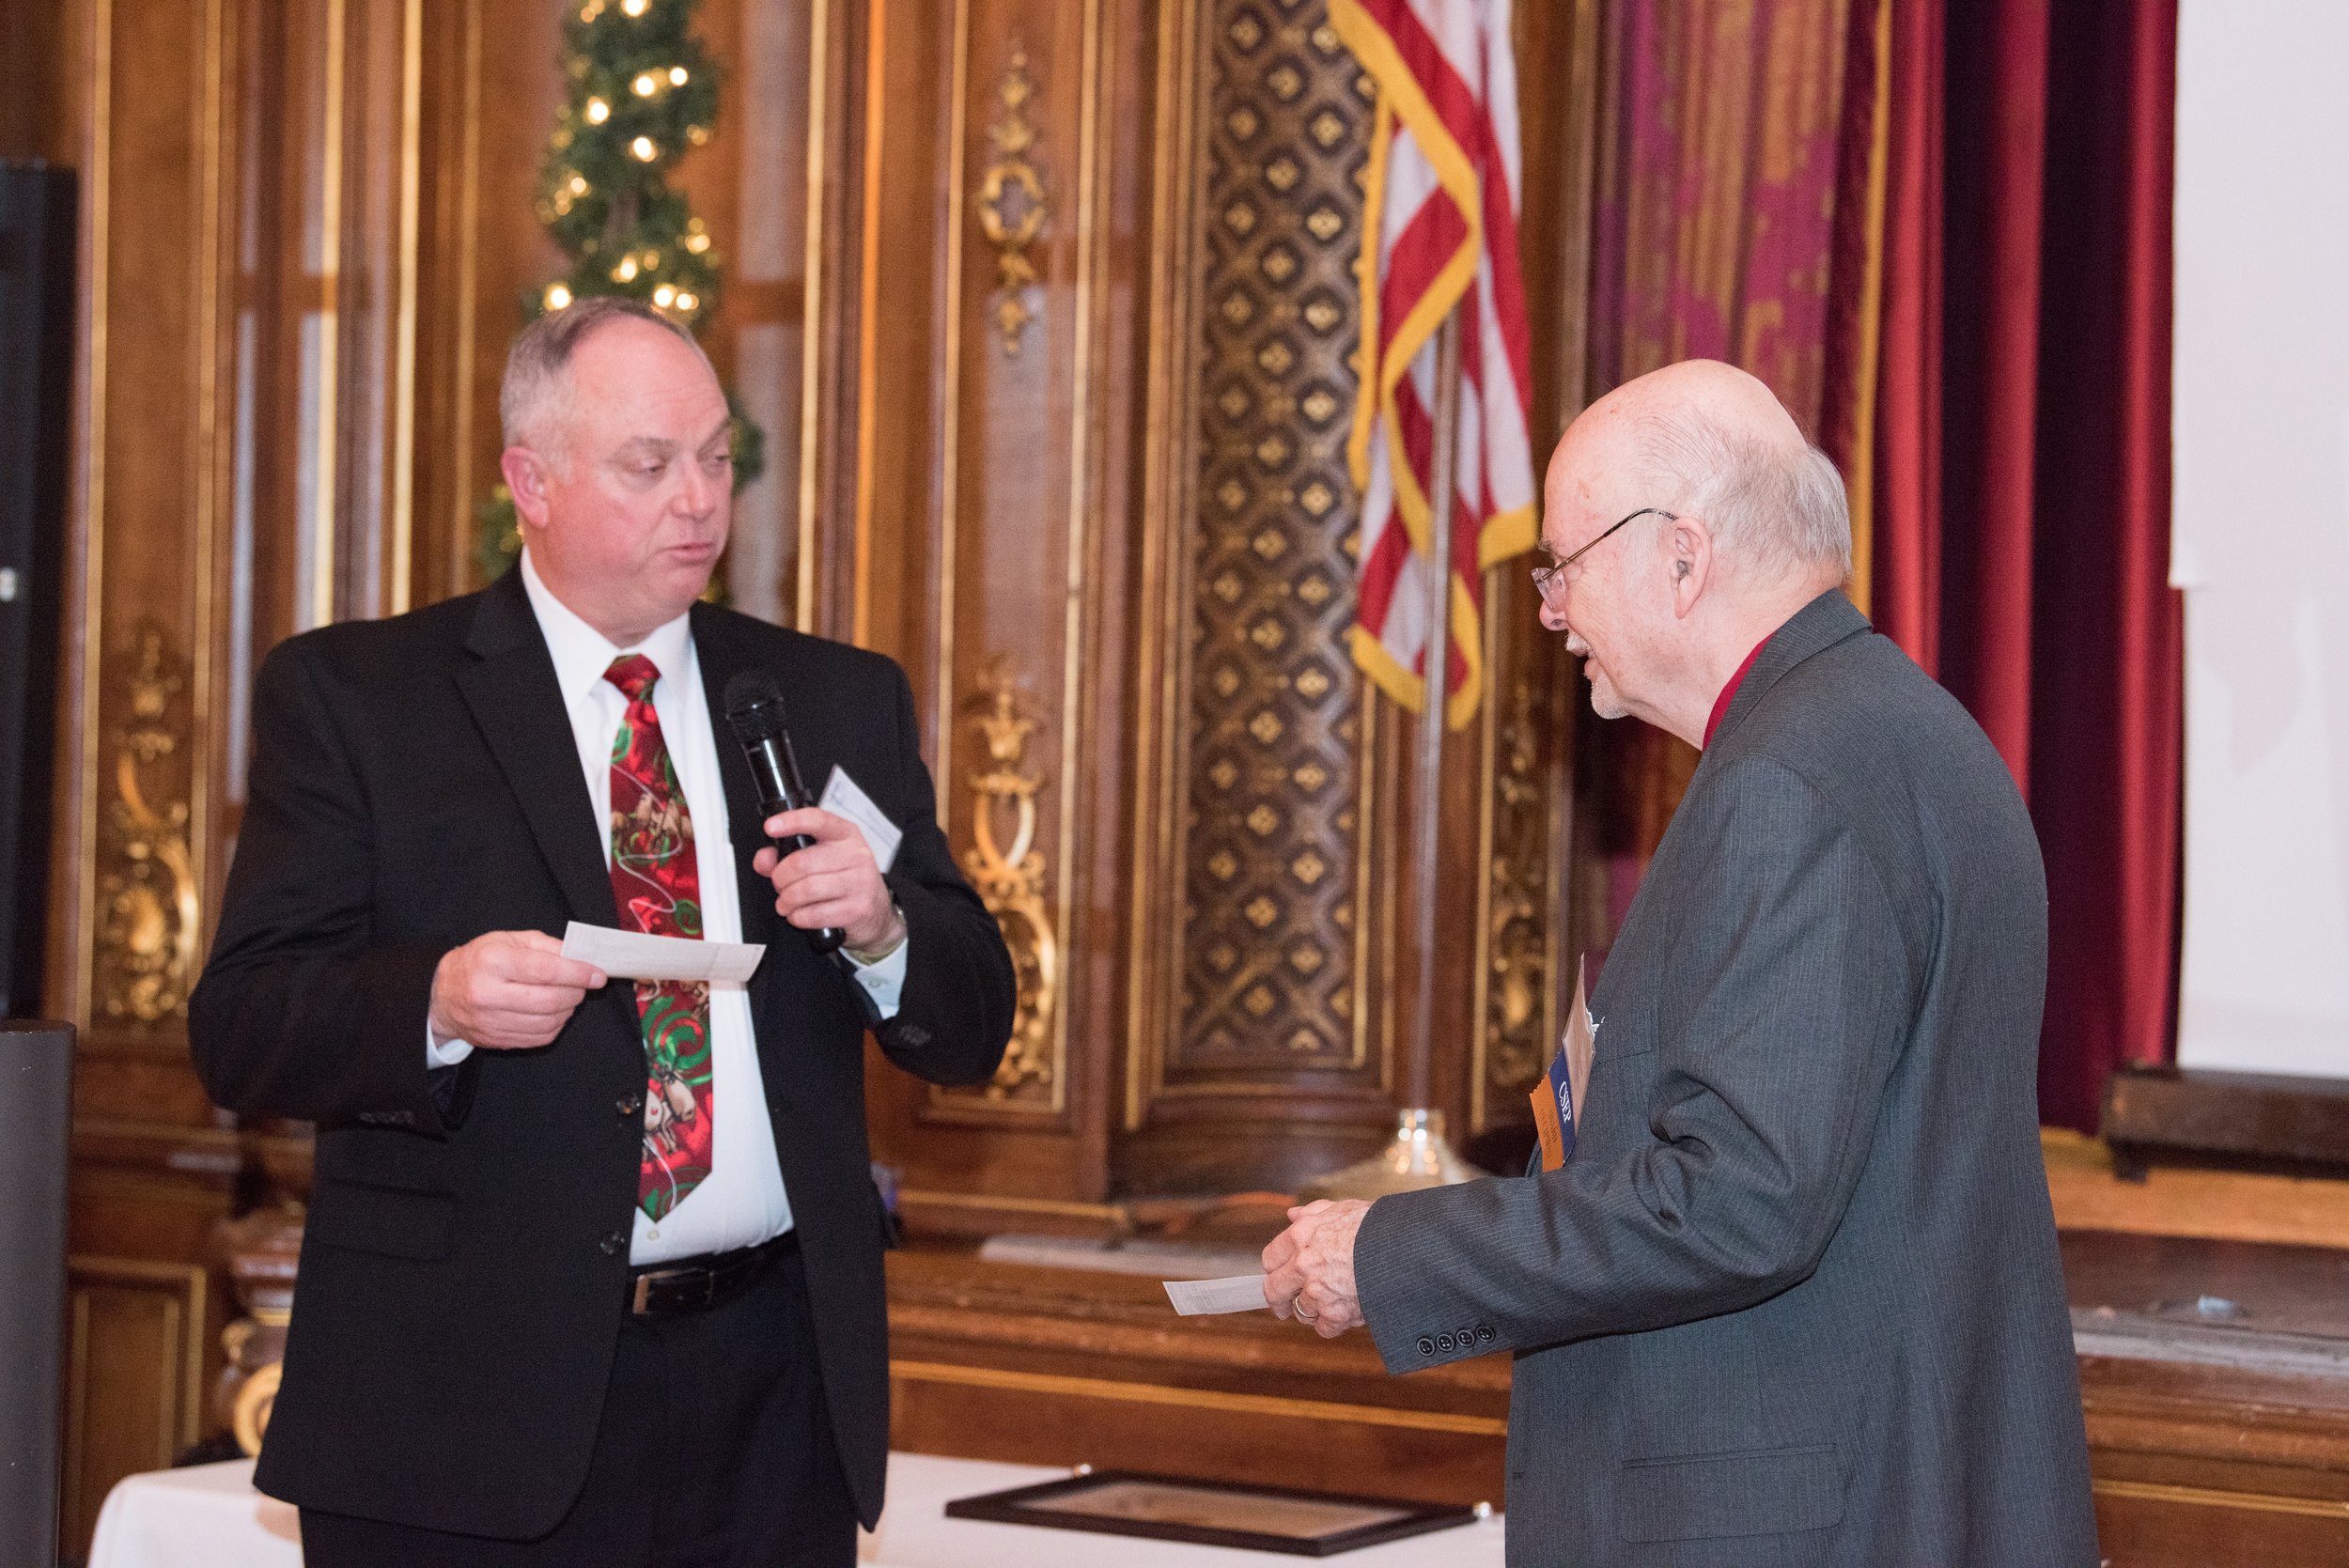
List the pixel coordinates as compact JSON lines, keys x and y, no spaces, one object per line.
{"x":641,"y":90}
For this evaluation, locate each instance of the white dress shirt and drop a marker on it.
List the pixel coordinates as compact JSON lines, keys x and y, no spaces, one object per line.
{"x":741,"y":1202}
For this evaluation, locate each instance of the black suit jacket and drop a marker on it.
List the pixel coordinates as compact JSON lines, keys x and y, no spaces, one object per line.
{"x":416,"y":784}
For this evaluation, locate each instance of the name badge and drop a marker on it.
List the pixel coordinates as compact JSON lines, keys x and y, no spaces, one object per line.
{"x":1560,"y":1093}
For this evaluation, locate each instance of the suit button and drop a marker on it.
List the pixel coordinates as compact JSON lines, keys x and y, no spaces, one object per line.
{"x":1484,"y":1333}
{"x":628,"y":1105}
{"x":1426,"y":1346}
{"x":1444,"y":1341}
{"x":613,"y":1243}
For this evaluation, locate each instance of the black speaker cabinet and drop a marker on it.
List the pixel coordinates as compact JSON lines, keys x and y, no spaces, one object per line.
{"x":36,"y":440}
{"x":37,"y":1065}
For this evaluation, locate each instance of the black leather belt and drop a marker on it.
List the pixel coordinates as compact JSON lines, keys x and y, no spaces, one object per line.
{"x":694,"y":1284}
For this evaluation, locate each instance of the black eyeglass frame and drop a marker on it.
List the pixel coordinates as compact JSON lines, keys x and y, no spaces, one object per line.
{"x":1554,"y":572}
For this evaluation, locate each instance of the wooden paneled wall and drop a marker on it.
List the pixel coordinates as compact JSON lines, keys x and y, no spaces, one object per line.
{"x":990,"y":531}
{"x":305,"y":230}
{"x":1045,"y":309}
{"x":1104,"y":517}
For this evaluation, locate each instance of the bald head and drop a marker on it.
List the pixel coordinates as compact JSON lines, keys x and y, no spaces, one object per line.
{"x":1724,"y":524}
{"x":1704,"y":439}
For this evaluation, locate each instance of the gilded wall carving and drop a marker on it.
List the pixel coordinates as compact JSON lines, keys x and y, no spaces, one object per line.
{"x":1011,"y":882}
{"x":147,"y":897}
{"x":1271,"y":862}
{"x":1011,"y":201}
{"x":1516,"y":932}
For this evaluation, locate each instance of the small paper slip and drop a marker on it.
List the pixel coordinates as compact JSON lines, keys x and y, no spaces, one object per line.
{"x":633,"y":956}
{"x":842,"y":798}
{"x":1241,"y":1293}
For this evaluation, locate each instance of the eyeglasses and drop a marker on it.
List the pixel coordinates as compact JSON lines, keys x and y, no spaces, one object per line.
{"x":1550,"y":581}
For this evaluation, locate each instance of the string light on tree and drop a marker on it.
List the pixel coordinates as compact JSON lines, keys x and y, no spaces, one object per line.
{"x":642,"y":90}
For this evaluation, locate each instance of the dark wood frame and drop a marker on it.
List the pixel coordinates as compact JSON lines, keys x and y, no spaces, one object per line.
{"x":1030,"y":1505}
{"x":2240,"y":1121}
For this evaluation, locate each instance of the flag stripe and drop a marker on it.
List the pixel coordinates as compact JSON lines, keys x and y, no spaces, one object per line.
{"x":1439,"y":234}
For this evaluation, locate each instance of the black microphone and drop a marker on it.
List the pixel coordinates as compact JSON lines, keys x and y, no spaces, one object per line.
{"x":754,"y":708}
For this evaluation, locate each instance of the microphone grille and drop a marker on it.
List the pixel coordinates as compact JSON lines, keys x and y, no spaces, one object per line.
{"x":755,"y":706}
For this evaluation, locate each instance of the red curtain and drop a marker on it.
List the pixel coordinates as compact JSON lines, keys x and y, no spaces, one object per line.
{"x":2020,"y":492}
{"x":1712,"y":237}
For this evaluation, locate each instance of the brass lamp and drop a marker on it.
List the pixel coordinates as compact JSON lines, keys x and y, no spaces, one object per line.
{"x":1417,"y":1157}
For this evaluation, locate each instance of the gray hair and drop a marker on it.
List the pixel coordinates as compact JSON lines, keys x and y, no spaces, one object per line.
{"x":534,"y":395}
{"x":1777,"y":511}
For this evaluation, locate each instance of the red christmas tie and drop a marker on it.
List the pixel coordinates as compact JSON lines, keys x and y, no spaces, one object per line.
{"x":657,"y":884}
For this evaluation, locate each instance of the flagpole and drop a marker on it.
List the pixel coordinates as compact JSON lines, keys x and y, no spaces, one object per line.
{"x":1427,"y":829}
{"x":1419,"y":1155}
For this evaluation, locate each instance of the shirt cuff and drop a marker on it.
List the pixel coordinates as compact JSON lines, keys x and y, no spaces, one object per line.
{"x":447,"y":1053}
{"x":884,"y":980}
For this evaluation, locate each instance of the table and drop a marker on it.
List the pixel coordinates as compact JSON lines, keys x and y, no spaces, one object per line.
{"x":203,"y":1517}
{"x":210,"y":1516}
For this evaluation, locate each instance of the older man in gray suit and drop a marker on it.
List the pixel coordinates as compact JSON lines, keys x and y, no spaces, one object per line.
{"x":1794,"y":1297}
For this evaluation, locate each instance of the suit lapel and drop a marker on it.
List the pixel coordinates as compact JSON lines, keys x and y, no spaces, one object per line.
{"x":517,"y":702}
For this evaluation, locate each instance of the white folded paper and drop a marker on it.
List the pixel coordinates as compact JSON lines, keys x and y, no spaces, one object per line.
{"x":1241,"y":1293}
{"x":843,"y":797}
{"x":633,"y":956}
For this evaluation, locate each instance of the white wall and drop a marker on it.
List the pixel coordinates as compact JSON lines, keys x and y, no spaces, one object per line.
{"x":2262,"y":532}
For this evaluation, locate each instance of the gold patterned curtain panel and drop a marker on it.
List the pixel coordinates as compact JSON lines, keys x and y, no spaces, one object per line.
{"x":1713,"y":237}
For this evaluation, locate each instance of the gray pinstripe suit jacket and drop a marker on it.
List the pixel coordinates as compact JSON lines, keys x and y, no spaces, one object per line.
{"x":1796,"y":1298}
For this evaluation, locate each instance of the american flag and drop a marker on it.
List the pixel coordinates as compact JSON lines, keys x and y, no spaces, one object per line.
{"x":1441,"y":228}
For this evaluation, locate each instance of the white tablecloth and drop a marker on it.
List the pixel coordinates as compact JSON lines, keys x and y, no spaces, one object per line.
{"x":203,"y":1517}
{"x":210,"y":1516}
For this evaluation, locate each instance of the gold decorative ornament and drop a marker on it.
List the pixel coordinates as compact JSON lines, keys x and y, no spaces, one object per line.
{"x":263,"y":1252}
{"x":1516,"y":1040}
{"x":255,"y":1401}
{"x":1272,"y":859}
{"x":1011,"y":884}
{"x":1012,"y":203}
{"x":148,"y":903}
{"x":1418,"y":1156}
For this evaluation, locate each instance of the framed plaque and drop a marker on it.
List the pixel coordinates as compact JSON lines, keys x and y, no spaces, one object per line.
{"x":1210,"y":1512}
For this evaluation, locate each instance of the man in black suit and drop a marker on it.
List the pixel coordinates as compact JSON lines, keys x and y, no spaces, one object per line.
{"x":592,"y":1269}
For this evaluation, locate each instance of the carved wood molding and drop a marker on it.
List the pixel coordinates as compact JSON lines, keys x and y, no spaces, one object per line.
{"x":134,"y":1364}
{"x":1012,"y":202}
{"x":149,"y":903}
{"x":1019,"y":556}
{"x":1011,"y":882}
{"x":1262,"y":896}
{"x":1517,"y":987}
